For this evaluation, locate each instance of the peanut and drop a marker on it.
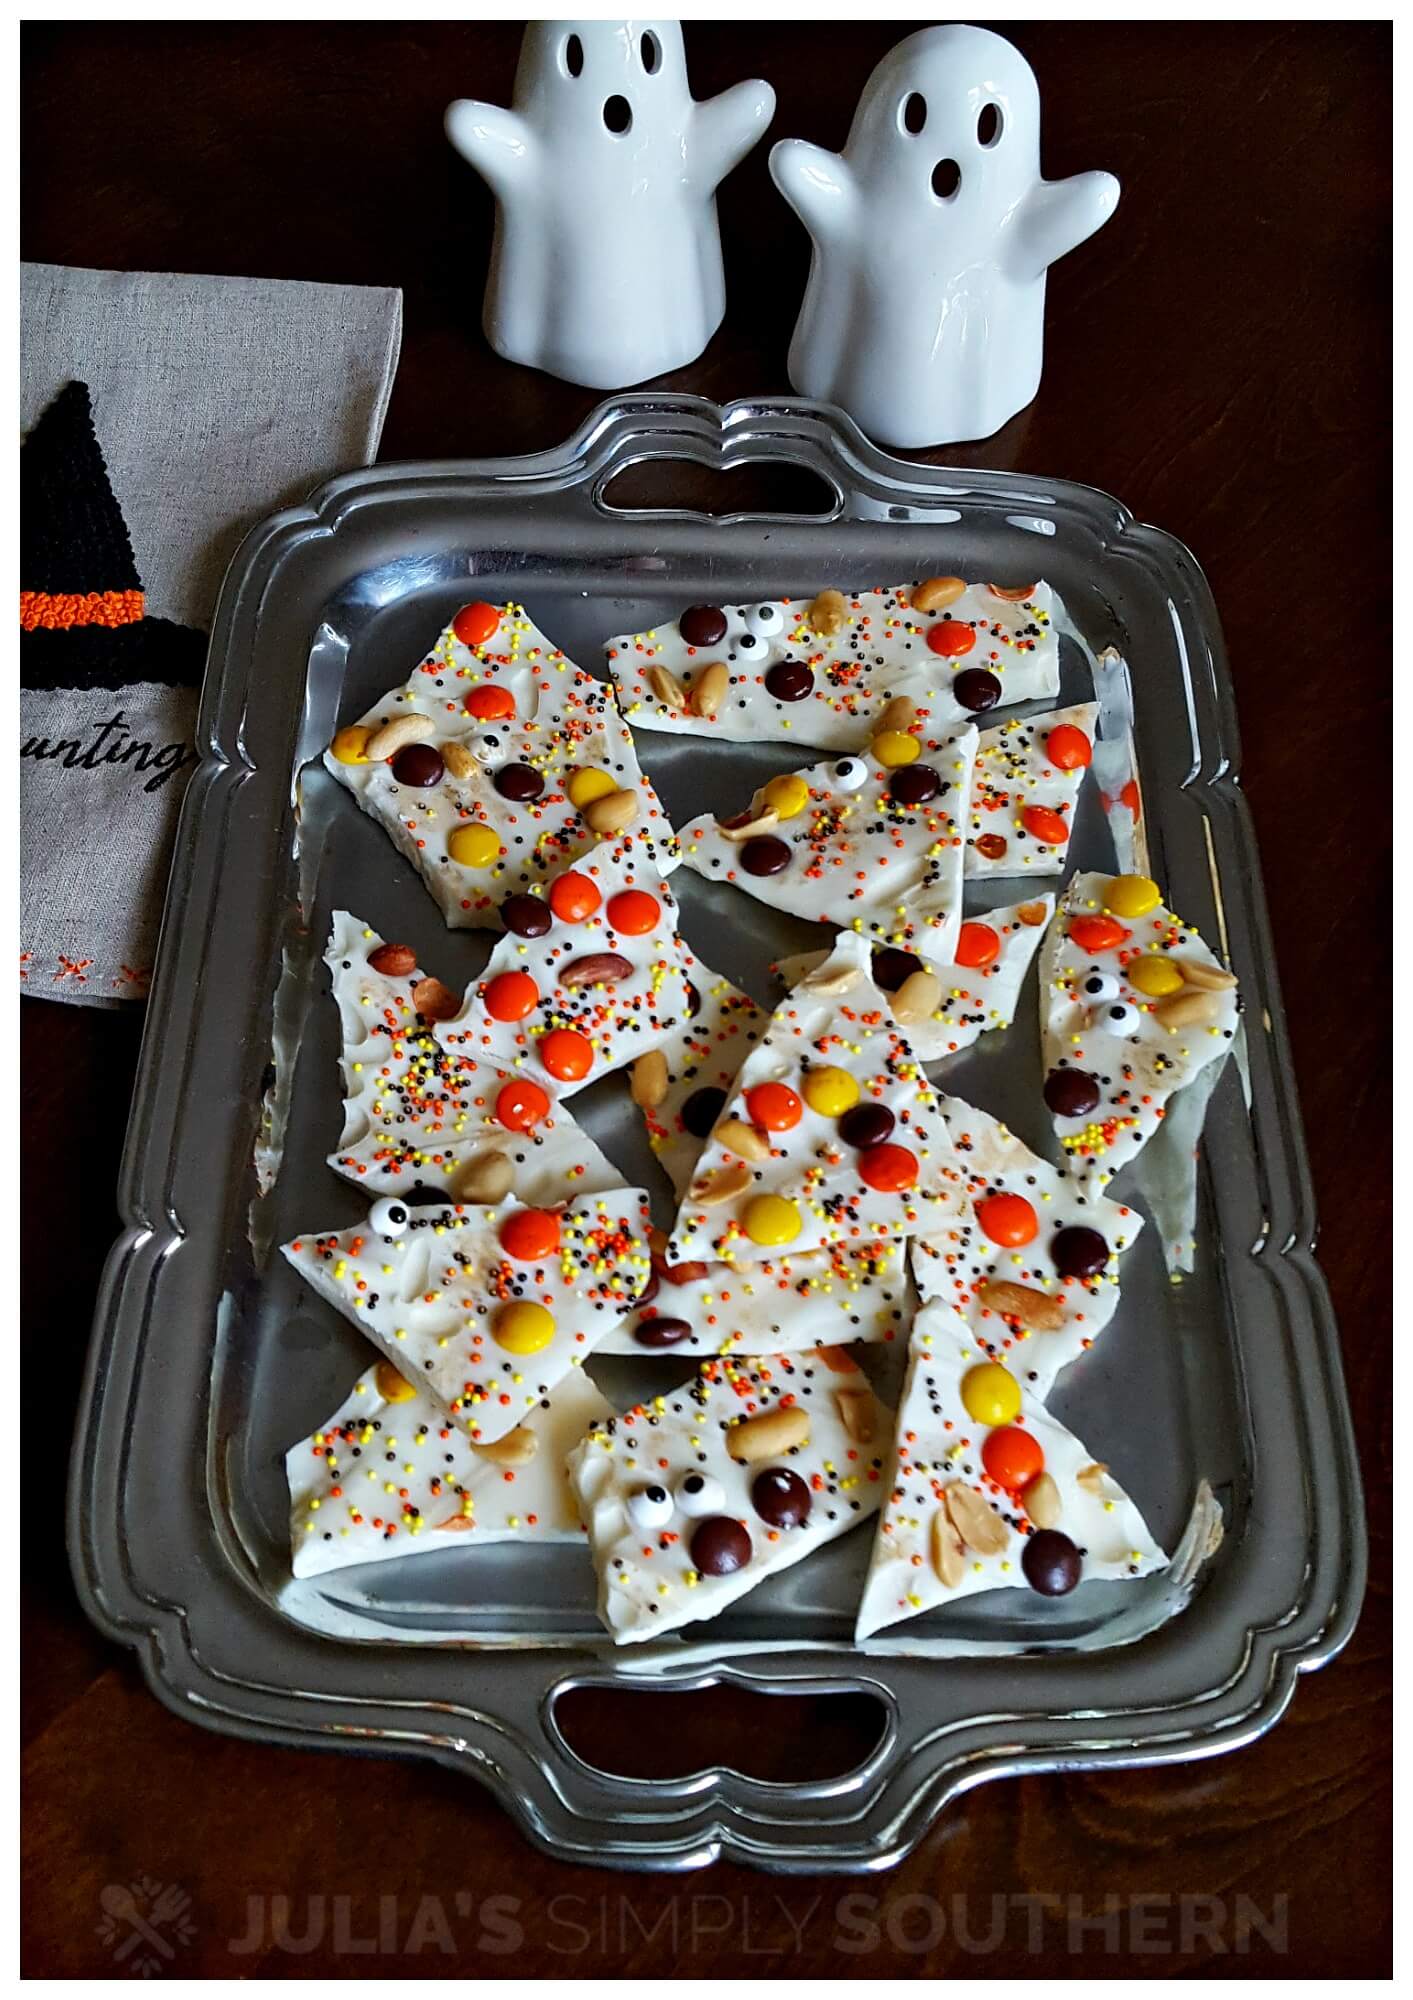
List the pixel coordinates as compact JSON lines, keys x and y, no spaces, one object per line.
{"x":709,"y":689}
{"x":1041,"y":1500}
{"x":762,"y":823}
{"x":668,"y":689}
{"x":1207,"y":978}
{"x":948,"y":1554}
{"x":393,"y":959}
{"x":596,"y":968}
{"x":612,"y":812}
{"x":403,"y":729}
{"x":937,"y":592}
{"x":742,"y":1139}
{"x":1009,"y":594}
{"x":486,"y":1179}
{"x":722,"y":1185}
{"x":898,"y":715}
{"x":918,"y":998}
{"x":975,"y":1520}
{"x":1092,"y":1477}
{"x":434,"y":1001}
{"x":769,"y":1435}
{"x":828,"y":614}
{"x":649,"y":1080}
{"x":517,"y":1447}
{"x":1188,"y":1010}
{"x":458,"y":759}
{"x":1022,"y":1302}
{"x":857,"y":1411}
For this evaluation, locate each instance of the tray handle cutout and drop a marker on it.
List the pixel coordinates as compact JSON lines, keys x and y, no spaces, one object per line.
{"x":654,"y":1734}
{"x":775,"y":488}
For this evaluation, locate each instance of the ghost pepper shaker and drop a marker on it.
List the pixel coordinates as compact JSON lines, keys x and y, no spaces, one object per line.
{"x":606,"y":266}
{"x":924,"y":312}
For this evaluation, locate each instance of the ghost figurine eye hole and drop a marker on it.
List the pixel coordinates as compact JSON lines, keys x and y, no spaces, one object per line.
{"x":651,"y":50}
{"x":912,"y":113}
{"x":618,"y":116}
{"x":989,"y":125}
{"x":946,"y":179}
{"x":572,"y":56}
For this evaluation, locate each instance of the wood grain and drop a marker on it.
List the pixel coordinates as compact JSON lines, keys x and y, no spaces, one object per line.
{"x":1219,"y":356}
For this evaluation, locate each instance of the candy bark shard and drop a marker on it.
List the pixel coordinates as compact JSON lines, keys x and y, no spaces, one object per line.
{"x":973,"y":998}
{"x":833,"y":1137}
{"x":605,"y":982}
{"x":1027,"y":780}
{"x":417,"y":1114}
{"x":700,"y":1061}
{"x":950,"y":1529}
{"x":849,"y":849}
{"x":392,"y":1476}
{"x":1133,"y":1006}
{"x":449,"y":1298}
{"x":819,"y":671}
{"x":502,"y":735}
{"x":1030,"y":1260}
{"x":692,"y":1500}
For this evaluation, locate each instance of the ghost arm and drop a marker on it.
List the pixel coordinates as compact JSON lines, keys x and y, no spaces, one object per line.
{"x":817,"y":185}
{"x":1054,"y":218}
{"x":493,"y":140}
{"x":725,"y":128}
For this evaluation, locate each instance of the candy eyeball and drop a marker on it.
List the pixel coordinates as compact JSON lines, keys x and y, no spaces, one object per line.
{"x":765,"y":620}
{"x":389,"y":1218}
{"x":850,"y":774}
{"x":1097,"y":986}
{"x":1118,"y":1017}
{"x":650,"y":1507}
{"x":751,"y":648}
{"x":488,"y":748}
{"x":698,"y":1493}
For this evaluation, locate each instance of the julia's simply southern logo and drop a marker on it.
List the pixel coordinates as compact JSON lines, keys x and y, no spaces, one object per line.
{"x":112,"y":743}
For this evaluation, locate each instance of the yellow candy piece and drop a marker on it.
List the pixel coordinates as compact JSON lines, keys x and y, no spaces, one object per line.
{"x":348,"y":746}
{"x":1154,"y":976}
{"x":523,"y":1328}
{"x":786,"y":796}
{"x":1131,"y":896}
{"x":587,"y":785}
{"x":770,"y":1219}
{"x":474,"y":846}
{"x":392,"y":1387}
{"x":991,"y":1394}
{"x":893,"y":747}
{"x":830,"y":1091}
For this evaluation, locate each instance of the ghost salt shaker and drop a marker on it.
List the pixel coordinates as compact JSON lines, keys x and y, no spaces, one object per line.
{"x":606,"y":265}
{"x":924,"y":311}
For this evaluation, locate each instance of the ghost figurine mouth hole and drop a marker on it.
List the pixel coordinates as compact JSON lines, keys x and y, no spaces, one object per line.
{"x":618,"y":115}
{"x":946,"y":179}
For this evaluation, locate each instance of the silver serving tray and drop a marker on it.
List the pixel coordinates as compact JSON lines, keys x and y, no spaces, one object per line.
{"x":209,"y":1358}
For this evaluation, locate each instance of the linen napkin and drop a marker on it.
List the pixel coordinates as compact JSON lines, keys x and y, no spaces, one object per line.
{"x":214,"y":401}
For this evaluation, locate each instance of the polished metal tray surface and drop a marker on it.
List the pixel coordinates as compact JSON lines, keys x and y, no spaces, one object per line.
{"x":208,"y":1358}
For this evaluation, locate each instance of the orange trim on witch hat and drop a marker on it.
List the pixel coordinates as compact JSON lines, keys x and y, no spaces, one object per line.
{"x":59,"y":611}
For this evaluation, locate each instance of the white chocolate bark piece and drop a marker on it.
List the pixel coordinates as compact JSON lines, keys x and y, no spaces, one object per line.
{"x":695,"y":1498}
{"x":838,"y":679}
{"x":1032,"y":1261}
{"x":391,"y":1475}
{"x":473,"y":833}
{"x":820,"y":1298}
{"x":701,"y":1058}
{"x":1133,"y":1006}
{"x":791,"y":1165}
{"x":604,"y":985}
{"x":1027,"y":779}
{"x":949,"y":1529}
{"x":850,"y":852}
{"x":974,"y":998}
{"x":418,"y":1115}
{"x":462,"y":1307}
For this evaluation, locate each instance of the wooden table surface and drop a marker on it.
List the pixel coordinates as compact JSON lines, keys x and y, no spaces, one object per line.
{"x":1219,"y":357}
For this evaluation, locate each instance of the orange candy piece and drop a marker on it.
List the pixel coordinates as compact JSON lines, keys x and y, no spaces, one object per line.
{"x":1052,"y":829}
{"x":475,"y":623}
{"x":888,"y":1169}
{"x":774,"y":1107}
{"x":521,"y":1105}
{"x":634,"y":912}
{"x":511,"y":996}
{"x":573,"y":898}
{"x":1068,"y":748}
{"x":951,"y":638}
{"x":1008,"y":1219}
{"x":489,"y":704}
{"x":1097,"y":933}
{"x":977,"y":946}
{"x":567,"y":1054}
{"x":530,"y":1233}
{"x":1012,"y":1457}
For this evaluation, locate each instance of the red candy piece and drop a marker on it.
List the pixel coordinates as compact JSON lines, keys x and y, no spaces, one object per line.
{"x":511,"y":996}
{"x":888,"y":1169}
{"x":521,"y":1105}
{"x":1008,"y":1219}
{"x":573,"y":898}
{"x":951,"y":638}
{"x":633,"y":912}
{"x":1097,"y":933}
{"x":567,"y":1054}
{"x":1068,"y":748}
{"x":1051,"y":829}
{"x":1012,"y":1457}
{"x":774,"y":1107}
{"x":489,"y":704}
{"x":530,"y":1233}
{"x":977,"y":946}
{"x":475,"y":623}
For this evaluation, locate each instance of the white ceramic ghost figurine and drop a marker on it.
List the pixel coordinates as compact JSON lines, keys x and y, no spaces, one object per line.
{"x":606,"y":266}
{"x":924,"y":312}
